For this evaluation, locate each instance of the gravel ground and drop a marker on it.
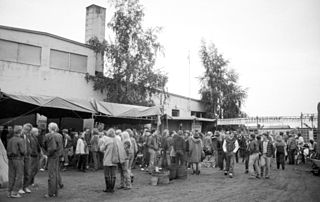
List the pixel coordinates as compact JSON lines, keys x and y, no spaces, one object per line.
{"x":296,"y":183}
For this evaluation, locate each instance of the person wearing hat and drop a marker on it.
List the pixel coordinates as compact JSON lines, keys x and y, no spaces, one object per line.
{"x":230,"y":147}
{"x":195,"y":150}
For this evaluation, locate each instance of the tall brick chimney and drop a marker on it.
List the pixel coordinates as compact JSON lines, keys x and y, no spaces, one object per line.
{"x":96,"y":26}
{"x":95,"y":22}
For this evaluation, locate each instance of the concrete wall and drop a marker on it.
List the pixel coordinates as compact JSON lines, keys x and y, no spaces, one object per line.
{"x":43,"y":80}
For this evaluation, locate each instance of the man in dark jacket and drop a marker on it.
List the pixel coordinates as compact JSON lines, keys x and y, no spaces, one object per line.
{"x":267,"y":153}
{"x":15,"y":153}
{"x":179,"y":146}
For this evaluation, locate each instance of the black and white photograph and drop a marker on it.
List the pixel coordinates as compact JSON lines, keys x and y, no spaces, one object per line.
{"x":149,"y":100}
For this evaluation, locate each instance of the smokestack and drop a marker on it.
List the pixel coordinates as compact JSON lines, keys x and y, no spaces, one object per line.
{"x":95,"y":22}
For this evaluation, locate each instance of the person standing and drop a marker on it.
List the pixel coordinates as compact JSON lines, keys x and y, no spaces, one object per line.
{"x":195,"y":150}
{"x":53,"y":147}
{"x":128,"y":148}
{"x":34,"y":154}
{"x":280,"y":148}
{"x":230,"y":148}
{"x":81,"y":151}
{"x":106,"y":145}
{"x":26,"y":130}
{"x":95,"y":148}
{"x":67,"y":146}
{"x":179,"y":146}
{"x":267,"y":154}
{"x":253,"y":149}
{"x":15,"y":153}
{"x":153,"y":147}
{"x":292,"y":148}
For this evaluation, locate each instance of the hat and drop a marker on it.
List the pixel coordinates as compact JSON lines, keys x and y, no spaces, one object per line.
{"x":65,"y":130}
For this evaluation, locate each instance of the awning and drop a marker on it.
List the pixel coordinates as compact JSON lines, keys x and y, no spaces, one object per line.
{"x":124,"y":110}
{"x":12,"y":105}
{"x":190,"y":118}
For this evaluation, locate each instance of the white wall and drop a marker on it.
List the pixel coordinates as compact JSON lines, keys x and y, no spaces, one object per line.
{"x":43,"y":80}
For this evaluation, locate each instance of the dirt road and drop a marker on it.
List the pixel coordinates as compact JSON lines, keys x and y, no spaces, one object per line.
{"x":296,"y":183}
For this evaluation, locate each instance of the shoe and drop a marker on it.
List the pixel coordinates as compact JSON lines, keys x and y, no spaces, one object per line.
{"x":49,"y":196}
{"x":27,"y":190}
{"x":9,"y":194}
{"x":230,"y":175}
{"x":132,"y":178}
{"x":246,"y":172}
{"x":258,"y":177}
{"x":61,"y":186}
{"x":126,"y":188}
{"x":225,"y":172}
{"x":267,"y":177}
{"x":21,"y":192}
{"x":120,"y":187}
{"x":17,"y":195}
{"x":41,"y":169}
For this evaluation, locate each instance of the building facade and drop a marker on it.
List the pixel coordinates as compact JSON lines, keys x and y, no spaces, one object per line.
{"x":40,"y":63}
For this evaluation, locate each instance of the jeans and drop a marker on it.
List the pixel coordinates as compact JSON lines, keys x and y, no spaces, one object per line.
{"x":254,"y":161}
{"x":180,"y":158}
{"x":34,"y":169}
{"x":266,"y":167}
{"x":53,"y":166}
{"x":15,"y":174}
{"x":27,"y":171}
{"x":291,"y":154}
{"x":152,"y":156}
{"x":230,"y":157}
{"x":95,"y":157}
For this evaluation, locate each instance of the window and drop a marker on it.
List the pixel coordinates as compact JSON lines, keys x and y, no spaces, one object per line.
{"x":18,"y":52}
{"x":68,"y":61}
{"x":197,"y":114}
{"x":175,"y":112}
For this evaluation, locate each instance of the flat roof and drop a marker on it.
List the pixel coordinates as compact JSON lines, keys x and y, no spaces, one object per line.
{"x":45,"y":34}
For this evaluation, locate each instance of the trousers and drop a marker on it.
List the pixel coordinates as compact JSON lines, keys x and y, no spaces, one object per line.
{"x":15,"y":174}
{"x":53,"y":166}
{"x":230,"y":157}
{"x":26,"y":171}
{"x":254,"y":161}
{"x":34,"y":166}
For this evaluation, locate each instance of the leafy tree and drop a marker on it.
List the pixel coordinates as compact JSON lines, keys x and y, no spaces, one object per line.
{"x":130,"y":76}
{"x":220,"y":92}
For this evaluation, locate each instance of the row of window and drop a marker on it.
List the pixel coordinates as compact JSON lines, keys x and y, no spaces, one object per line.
{"x":176,"y":113}
{"x":28,"y":54}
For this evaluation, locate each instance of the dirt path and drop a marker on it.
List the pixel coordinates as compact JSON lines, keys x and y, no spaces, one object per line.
{"x":296,"y":183}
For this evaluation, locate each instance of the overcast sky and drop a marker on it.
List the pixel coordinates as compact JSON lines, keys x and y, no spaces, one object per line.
{"x":274,"y":45}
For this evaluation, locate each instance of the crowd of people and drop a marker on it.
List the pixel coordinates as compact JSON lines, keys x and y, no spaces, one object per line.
{"x":30,"y":150}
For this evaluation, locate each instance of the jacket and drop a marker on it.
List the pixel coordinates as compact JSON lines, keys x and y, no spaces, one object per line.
{"x":106,"y":146}
{"x":230,"y":145}
{"x":195,"y":150}
{"x":15,"y":148}
{"x":34,"y":146}
{"x":94,"y":143}
{"x":253,"y":147}
{"x":270,"y":149}
{"x":53,"y":145}
{"x":179,"y":143}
